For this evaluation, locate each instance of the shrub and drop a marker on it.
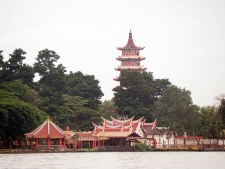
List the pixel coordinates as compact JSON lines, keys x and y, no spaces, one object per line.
{"x":143,"y":147}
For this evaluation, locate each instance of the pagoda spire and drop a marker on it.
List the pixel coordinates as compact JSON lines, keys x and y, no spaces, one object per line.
{"x":130,"y":34}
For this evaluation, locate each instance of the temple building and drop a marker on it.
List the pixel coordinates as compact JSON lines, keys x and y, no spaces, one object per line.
{"x":125,"y":131}
{"x":47,"y":136}
{"x":114,"y":132}
{"x":130,"y":58}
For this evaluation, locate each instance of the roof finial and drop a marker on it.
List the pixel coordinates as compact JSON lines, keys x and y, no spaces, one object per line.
{"x":48,"y":118}
{"x":130,"y":34}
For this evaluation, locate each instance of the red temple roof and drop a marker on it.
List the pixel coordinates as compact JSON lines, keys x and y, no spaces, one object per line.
{"x":47,"y":129}
{"x":130,"y":44}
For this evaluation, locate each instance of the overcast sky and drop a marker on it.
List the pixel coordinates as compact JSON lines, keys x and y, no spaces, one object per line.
{"x":184,"y":40}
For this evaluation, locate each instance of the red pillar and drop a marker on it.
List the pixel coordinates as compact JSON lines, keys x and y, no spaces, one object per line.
{"x":31,"y":143}
{"x":74,"y":145}
{"x":79,"y":144}
{"x":64,"y":142}
{"x":48,"y":142}
{"x":36,"y":143}
{"x":59,"y":142}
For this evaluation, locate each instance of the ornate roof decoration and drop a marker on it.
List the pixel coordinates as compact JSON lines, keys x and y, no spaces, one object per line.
{"x":130,"y":44}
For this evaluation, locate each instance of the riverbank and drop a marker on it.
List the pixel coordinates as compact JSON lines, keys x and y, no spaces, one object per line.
{"x":27,"y":151}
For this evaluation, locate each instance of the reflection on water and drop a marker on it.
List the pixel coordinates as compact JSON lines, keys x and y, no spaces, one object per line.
{"x":121,"y":160}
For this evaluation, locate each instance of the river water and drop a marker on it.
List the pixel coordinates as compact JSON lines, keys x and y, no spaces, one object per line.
{"x":115,"y":160}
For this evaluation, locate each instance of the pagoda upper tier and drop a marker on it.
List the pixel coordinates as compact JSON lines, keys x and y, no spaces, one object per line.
{"x":130,"y":58}
{"x":130,"y":44}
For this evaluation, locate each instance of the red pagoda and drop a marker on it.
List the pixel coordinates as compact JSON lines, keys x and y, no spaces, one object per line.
{"x":130,"y":58}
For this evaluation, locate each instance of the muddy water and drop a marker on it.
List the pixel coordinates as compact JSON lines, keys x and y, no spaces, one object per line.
{"x":115,"y":160}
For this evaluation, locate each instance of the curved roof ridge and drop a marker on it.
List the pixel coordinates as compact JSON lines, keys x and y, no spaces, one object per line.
{"x":62,"y":132}
{"x":39,"y":129}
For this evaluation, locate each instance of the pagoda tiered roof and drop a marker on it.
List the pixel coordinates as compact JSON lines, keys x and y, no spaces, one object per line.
{"x":131,"y":68}
{"x":47,"y":130}
{"x":130,"y":44}
{"x":130,"y":58}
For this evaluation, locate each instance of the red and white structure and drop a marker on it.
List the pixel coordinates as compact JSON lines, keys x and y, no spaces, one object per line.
{"x":130,"y":58}
{"x":47,"y":136}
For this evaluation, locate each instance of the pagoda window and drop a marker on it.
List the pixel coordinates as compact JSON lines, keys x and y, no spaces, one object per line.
{"x":138,"y":64}
{"x":132,"y":54}
{"x":132,"y":64}
{"x":137,"y":53}
{"x":126,"y":64}
{"x":126,"y":54}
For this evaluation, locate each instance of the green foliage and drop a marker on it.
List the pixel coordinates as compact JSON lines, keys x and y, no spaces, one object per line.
{"x":80,"y":117}
{"x":69,"y":99}
{"x":14,"y":69}
{"x":137,"y":93}
{"x":17,"y":116}
{"x":85,"y":86}
{"x":46,"y":60}
{"x":174,"y":109}
{"x":107,"y":109}
{"x":221,"y":110}
{"x":143,"y":147}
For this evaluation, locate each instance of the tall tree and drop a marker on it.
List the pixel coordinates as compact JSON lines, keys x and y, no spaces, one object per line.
{"x":175,"y":109}
{"x":107,"y":109}
{"x":77,"y":116}
{"x":1,"y":60}
{"x":85,"y":86}
{"x":52,"y":81}
{"x":17,"y":116}
{"x":46,"y":61}
{"x":137,"y":92}
{"x":14,"y":68}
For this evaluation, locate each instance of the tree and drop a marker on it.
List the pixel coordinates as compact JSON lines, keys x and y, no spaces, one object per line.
{"x":85,"y":86}
{"x":175,"y":109}
{"x":14,"y":69}
{"x":106,"y":109}
{"x":137,"y":93}
{"x":2,"y":63}
{"x":76,"y":115}
{"x":46,"y":60}
{"x":221,"y":110}
{"x":17,"y":117}
{"x":52,"y":82}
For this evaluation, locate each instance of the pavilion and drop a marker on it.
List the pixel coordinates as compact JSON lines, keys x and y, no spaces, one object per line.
{"x":47,"y":136}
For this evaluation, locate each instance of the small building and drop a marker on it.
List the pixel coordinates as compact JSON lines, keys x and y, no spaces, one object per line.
{"x":47,"y":136}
